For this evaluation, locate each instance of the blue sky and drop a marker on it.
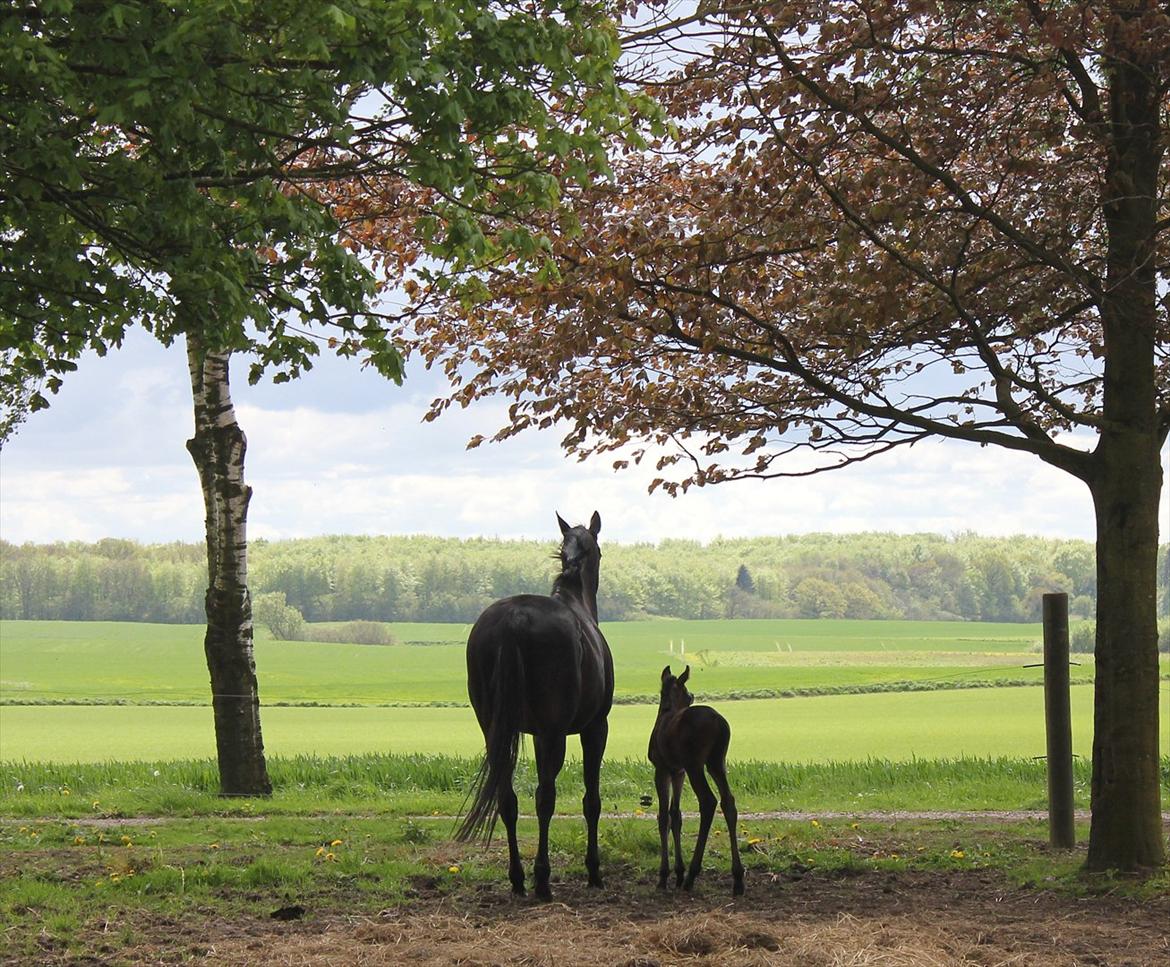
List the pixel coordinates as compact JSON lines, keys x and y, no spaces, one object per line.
{"x":343,"y":451}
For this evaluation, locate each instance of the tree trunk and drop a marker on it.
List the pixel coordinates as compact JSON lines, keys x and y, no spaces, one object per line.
{"x":1126,"y":477}
{"x":1126,"y":830}
{"x":218,"y":448}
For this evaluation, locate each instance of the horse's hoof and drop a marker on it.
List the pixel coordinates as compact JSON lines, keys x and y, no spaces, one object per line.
{"x":543,"y":893}
{"x":595,"y":882}
{"x":737,"y":890}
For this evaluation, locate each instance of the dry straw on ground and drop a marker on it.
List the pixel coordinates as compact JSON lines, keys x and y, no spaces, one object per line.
{"x":865,"y":922}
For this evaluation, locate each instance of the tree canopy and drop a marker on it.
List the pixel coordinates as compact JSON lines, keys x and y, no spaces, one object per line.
{"x":876,"y":222}
{"x":421,"y":578}
{"x":154,"y":154}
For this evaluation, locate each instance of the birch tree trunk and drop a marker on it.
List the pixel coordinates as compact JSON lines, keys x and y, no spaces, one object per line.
{"x":218,"y":448}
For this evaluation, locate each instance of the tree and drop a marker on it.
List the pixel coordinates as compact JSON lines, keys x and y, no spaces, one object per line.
{"x":877,"y":222}
{"x":281,"y":618}
{"x":158,"y":165}
{"x":743,"y":580}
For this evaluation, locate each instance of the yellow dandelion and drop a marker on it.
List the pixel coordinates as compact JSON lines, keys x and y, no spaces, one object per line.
{"x":754,"y":840}
{"x":65,"y":792}
{"x":213,"y":845}
{"x":320,"y":851}
{"x":855,"y":825}
{"x":957,"y":854}
{"x":336,"y":842}
{"x":331,"y":857}
{"x":816,"y":822}
{"x":96,"y":804}
{"x":126,"y":841}
{"x":453,"y":868}
{"x":639,"y":812}
{"x":78,"y":840}
{"x":24,"y":829}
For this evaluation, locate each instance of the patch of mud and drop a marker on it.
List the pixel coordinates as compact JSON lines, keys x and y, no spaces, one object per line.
{"x":902,"y":920}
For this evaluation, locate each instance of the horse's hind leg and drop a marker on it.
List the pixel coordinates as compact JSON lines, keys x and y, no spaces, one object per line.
{"x":550,"y":756}
{"x":509,"y":810}
{"x":593,"y":739}
{"x":727,"y":804}
{"x":662,"y":784}
{"x":676,"y":824}
{"x":706,"y":813}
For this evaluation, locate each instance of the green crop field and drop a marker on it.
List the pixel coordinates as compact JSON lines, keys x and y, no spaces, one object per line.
{"x":897,"y":726}
{"x":48,"y":668}
{"x":137,"y":663}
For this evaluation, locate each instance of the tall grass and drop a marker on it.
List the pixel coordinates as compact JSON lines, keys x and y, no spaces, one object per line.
{"x":404,"y":784}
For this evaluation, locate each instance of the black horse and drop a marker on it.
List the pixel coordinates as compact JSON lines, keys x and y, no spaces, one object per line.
{"x":539,"y":664}
{"x":687,"y":738}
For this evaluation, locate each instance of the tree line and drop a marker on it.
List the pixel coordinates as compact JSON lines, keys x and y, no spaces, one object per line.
{"x":424,"y":578}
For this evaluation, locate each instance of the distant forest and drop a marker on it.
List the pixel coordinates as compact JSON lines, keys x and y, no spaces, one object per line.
{"x":920,"y":576}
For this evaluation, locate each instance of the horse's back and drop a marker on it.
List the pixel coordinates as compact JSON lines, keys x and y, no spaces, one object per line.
{"x":566,"y":668}
{"x":698,"y":734}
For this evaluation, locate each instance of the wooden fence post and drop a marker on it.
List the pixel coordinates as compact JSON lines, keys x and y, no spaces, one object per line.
{"x":1058,"y":722}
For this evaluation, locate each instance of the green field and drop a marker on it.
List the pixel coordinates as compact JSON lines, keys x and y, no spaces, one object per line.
{"x":138,"y":663}
{"x":410,"y":697}
{"x":899,"y":726}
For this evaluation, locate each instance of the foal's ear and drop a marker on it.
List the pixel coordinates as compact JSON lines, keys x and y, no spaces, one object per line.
{"x":595,"y":524}
{"x":682,"y":679}
{"x":665,"y":674}
{"x":565,"y":528}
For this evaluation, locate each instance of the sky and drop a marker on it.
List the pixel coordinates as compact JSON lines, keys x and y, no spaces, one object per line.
{"x":342,"y":451}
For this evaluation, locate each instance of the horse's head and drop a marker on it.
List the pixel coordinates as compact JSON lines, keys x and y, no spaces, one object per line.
{"x":580,"y":555}
{"x":674,"y":691}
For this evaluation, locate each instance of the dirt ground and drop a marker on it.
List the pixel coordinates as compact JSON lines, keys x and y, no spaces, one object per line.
{"x":814,"y":920}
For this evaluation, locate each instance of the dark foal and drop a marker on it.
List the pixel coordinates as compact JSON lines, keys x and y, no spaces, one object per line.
{"x":686,"y":739}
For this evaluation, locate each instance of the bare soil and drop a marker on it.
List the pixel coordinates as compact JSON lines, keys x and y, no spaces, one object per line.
{"x":807,"y":919}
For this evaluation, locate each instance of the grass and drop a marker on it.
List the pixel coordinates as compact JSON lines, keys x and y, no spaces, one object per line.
{"x":348,"y":836}
{"x":110,"y":822}
{"x":424,"y":784}
{"x":57,"y":661}
{"x":897,"y":726}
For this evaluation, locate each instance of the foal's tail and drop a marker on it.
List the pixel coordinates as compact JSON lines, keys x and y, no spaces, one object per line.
{"x":503,"y":744}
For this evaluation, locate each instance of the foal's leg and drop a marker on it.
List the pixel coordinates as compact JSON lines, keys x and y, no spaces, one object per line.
{"x":593,"y":739}
{"x":662,"y":782}
{"x":508,"y":813}
{"x":727,"y":804}
{"x":706,"y":813}
{"x":676,"y":824}
{"x":550,"y":756}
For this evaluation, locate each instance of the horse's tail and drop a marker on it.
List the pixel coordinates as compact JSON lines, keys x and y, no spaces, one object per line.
{"x":503,"y":744}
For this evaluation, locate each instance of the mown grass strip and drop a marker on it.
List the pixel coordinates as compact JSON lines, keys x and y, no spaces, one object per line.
{"x":740,"y":695}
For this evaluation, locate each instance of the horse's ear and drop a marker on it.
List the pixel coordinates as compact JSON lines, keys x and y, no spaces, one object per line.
{"x":682,"y":679}
{"x":595,"y":524}
{"x":565,"y":528}
{"x":665,"y":674}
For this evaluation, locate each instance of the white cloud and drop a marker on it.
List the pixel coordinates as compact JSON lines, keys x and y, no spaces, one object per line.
{"x":342,"y":451}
